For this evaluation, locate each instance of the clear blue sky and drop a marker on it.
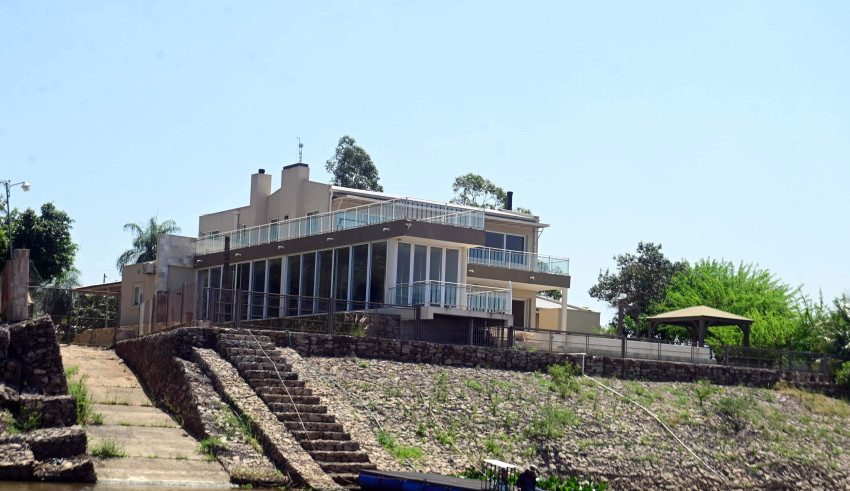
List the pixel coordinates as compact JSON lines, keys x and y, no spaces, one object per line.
{"x":717,"y":129}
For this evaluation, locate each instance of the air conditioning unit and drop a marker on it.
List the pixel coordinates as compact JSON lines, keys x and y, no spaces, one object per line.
{"x":148,"y":268}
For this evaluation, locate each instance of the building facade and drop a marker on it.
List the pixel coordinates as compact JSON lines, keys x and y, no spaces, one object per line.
{"x":360,"y":249}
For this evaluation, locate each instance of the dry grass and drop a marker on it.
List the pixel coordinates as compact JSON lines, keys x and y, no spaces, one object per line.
{"x":816,"y":403}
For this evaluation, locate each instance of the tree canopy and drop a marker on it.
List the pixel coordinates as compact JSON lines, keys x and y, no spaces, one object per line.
{"x":48,"y":237}
{"x":641,"y":279}
{"x":145,"y":241}
{"x":474,"y":190}
{"x":745,"y":290}
{"x":352,"y":167}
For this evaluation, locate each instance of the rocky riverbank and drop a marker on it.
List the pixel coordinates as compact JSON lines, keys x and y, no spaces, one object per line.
{"x":445,"y":419}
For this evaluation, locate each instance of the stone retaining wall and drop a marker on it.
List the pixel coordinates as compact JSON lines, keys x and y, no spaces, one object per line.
{"x":34,"y":390}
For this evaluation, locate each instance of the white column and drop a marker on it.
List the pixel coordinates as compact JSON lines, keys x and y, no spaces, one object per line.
{"x":563,"y":317}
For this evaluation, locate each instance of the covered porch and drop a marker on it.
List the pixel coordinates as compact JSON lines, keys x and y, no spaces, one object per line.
{"x":698,"y":319}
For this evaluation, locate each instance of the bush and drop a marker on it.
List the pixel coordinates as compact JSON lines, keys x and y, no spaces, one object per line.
{"x":551,"y":422}
{"x":78,"y":389}
{"x":400,"y":452}
{"x":563,"y":379}
{"x":842,"y":376}
{"x":107,"y":449}
{"x":703,"y":389}
{"x":735,"y":410}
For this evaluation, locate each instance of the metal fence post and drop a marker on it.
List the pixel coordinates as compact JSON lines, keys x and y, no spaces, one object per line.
{"x":418,"y":323}
{"x":238,"y":310}
{"x":510,"y":336}
{"x":727,"y":355}
{"x":331,"y":319}
{"x":623,"y":347}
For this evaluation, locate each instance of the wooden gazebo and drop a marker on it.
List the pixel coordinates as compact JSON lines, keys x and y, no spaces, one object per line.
{"x":699,"y":319}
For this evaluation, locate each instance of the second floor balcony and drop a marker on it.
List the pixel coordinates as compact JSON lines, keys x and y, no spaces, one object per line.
{"x":348,"y":218}
{"x":524,"y":261}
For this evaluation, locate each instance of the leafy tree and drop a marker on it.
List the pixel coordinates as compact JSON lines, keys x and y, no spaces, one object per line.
{"x":144,"y":241}
{"x":474,"y":190}
{"x":553,"y":294}
{"x":641,"y":280}
{"x":744,"y":290}
{"x":352,"y":167}
{"x":48,"y":237}
{"x":834,"y":330}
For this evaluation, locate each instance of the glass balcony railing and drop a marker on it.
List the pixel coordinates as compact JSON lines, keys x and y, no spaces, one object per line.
{"x":400,"y":209}
{"x":526,"y":261}
{"x":452,"y":295}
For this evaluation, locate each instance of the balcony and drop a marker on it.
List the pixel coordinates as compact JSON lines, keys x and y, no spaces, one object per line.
{"x":523,"y":261}
{"x":361,"y":216}
{"x":452,"y":296}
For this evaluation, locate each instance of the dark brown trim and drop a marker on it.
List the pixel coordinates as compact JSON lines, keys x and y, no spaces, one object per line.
{"x":518,"y":276}
{"x":341,"y":238}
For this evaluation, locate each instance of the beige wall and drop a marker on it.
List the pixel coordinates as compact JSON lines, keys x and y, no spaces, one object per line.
{"x":296,"y":197}
{"x":582,"y":321}
{"x":175,"y":261}
{"x":132,"y":275}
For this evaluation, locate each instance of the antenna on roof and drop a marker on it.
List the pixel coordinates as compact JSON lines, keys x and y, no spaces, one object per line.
{"x":300,"y":148}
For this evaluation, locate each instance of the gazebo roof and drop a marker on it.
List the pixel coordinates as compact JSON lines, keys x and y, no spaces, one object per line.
{"x":699,"y":312}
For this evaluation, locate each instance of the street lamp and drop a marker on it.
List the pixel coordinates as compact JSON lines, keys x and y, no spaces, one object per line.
{"x":26,"y":187}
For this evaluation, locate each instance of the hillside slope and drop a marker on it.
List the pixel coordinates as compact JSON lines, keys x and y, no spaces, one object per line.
{"x":446,"y":419}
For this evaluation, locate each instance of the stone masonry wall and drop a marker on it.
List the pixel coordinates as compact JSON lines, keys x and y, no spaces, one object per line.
{"x":34,"y":392}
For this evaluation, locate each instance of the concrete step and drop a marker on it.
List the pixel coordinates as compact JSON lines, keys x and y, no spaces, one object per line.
{"x":320,"y":435}
{"x":283,"y":407}
{"x":312,"y":417}
{"x":292,"y":398}
{"x":267,"y":375}
{"x":345,"y":467}
{"x":330,"y":445}
{"x":313,"y":426}
{"x":275,"y":384}
{"x":339,"y":457}
{"x":281,"y":366}
{"x":292,"y":387}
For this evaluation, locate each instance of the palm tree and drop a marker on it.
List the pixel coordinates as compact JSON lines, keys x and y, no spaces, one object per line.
{"x":144,"y":241}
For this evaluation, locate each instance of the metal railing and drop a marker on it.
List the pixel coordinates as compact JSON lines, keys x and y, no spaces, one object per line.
{"x":527,"y":261}
{"x":452,"y":295}
{"x":361,"y":216}
{"x":661,"y":350}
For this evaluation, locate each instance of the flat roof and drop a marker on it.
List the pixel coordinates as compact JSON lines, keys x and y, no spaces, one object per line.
{"x":113,"y":288}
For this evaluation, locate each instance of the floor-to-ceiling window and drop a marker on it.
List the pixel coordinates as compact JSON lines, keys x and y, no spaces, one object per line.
{"x":378,"y":263}
{"x":426,"y":274}
{"x":341,"y":269}
{"x":258,"y":289}
{"x":273,"y":305}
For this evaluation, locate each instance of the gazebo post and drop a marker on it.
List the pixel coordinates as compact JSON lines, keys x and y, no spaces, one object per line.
{"x":746,"y":330}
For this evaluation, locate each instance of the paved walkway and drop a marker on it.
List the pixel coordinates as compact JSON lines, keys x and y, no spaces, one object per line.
{"x":158,"y":450}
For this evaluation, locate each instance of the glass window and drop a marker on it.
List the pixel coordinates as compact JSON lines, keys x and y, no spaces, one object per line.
{"x":452,"y":292}
{"x":419,"y":274}
{"x":138,"y":294}
{"x":379,"y":272}
{"x":402,"y":276}
{"x":360,"y":273}
{"x":274,"y":288}
{"x":515,"y":243}
{"x":341,"y":277}
{"x":308,"y":282}
{"x":324,"y":274}
{"x":435,"y":274}
{"x":293,"y":275}
{"x":215,"y":277}
{"x":258,"y":289}
{"x":495,"y":240}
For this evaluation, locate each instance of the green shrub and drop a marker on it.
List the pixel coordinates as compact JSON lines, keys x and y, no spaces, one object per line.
{"x":27,"y":420}
{"x":211,"y":446}
{"x":107,"y":449}
{"x":78,"y":389}
{"x":400,"y":452}
{"x":563,"y":380}
{"x":842,"y":376}
{"x":735,"y":410}
{"x":703,"y":390}
{"x":551,"y":422}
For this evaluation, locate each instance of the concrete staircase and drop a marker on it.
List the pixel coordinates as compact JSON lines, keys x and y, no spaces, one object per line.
{"x":267,"y":371}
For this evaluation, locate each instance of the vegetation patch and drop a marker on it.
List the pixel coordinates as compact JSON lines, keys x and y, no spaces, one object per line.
{"x":85,"y":410}
{"x":816,"y":403}
{"x":400,"y":452}
{"x":107,"y":449}
{"x":210,"y":447}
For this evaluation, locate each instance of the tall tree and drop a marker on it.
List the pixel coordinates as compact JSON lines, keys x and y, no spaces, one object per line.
{"x":144,"y":241}
{"x":745,"y":290}
{"x":474,"y":190}
{"x":48,"y":237}
{"x":641,"y":279}
{"x":352,"y":167}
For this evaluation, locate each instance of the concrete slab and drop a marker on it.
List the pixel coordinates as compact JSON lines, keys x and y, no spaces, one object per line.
{"x":153,"y":433}
{"x":140,"y":441}
{"x":134,"y":416}
{"x":137,"y":470}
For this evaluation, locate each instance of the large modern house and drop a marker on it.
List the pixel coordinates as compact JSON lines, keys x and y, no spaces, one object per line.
{"x":307,"y":247}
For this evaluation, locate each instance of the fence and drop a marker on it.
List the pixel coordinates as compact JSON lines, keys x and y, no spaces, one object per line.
{"x":623,"y":347}
{"x":247,"y":309}
{"x":74,"y":312}
{"x":168,"y":310}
